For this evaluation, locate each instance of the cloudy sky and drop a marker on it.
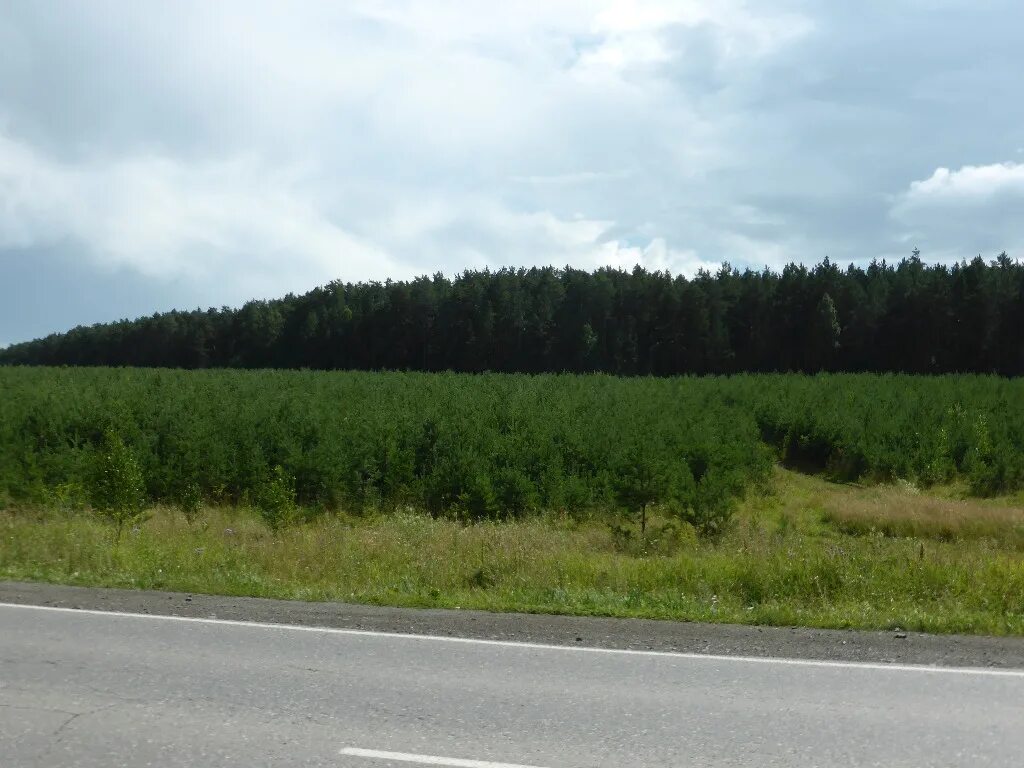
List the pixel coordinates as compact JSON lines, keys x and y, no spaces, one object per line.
{"x":178,"y":154}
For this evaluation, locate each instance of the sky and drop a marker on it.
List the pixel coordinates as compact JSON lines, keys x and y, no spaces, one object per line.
{"x":193,"y":154}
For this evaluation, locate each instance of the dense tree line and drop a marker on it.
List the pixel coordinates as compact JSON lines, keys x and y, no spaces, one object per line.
{"x":910,"y":317}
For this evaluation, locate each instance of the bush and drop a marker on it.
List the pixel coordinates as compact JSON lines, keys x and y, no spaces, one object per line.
{"x":275,"y":499}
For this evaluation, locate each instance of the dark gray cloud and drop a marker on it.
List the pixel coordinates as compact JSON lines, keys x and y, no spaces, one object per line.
{"x":204,"y":153}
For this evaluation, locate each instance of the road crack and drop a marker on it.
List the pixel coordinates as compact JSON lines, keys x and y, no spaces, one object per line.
{"x":58,"y":735}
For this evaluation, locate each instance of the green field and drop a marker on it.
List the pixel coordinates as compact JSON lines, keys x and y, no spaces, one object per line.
{"x":832,"y":500}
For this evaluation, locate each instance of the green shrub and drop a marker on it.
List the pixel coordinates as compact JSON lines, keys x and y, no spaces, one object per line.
{"x":275,"y":499}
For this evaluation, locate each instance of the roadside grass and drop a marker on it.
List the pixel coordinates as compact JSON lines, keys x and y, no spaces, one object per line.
{"x":801,"y":552}
{"x":910,"y":514}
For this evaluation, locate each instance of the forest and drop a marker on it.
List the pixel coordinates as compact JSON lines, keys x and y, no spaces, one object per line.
{"x":907,"y":317}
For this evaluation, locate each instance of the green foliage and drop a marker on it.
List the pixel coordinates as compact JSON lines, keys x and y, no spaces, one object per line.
{"x":642,"y":478}
{"x":923,"y":429}
{"x":275,"y":499}
{"x":492,"y":446}
{"x":713,"y":503}
{"x":117,"y":486}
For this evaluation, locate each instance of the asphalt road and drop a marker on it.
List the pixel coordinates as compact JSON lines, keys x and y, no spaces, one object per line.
{"x":633,"y":634}
{"x":84,"y":688}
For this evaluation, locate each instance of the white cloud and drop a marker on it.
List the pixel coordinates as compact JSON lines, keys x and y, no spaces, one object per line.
{"x":578,"y":177}
{"x":969,"y":182}
{"x":481,"y":233}
{"x":956,"y":213}
{"x":631,"y":34}
{"x":368,"y":140}
{"x":230,"y":221}
{"x":759,"y":253}
{"x":258,"y":232}
{"x":656,"y":256}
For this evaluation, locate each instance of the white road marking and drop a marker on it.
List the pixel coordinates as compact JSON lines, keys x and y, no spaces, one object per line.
{"x":403,"y":757}
{"x":865,"y":665}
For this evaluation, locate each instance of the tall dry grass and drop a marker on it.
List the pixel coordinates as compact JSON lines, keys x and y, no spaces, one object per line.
{"x":897,"y":513}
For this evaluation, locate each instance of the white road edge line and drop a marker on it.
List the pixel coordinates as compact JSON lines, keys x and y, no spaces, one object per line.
{"x":403,"y":757}
{"x":865,"y":665}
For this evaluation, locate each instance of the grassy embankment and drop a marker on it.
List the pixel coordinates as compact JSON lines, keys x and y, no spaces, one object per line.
{"x":806,"y":552}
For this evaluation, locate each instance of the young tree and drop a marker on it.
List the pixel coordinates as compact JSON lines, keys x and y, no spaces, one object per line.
{"x":190,"y":501}
{"x":117,"y":488}
{"x":824,"y":334}
{"x":644,"y":477}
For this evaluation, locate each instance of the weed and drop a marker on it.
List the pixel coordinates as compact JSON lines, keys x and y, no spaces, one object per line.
{"x":190,"y":501}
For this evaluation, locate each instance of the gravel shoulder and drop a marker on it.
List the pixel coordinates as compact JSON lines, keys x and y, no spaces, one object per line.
{"x":637,"y":634}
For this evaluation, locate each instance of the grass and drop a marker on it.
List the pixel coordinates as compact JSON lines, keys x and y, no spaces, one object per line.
{"x":912,"y":515}
{"x":803,"y":552}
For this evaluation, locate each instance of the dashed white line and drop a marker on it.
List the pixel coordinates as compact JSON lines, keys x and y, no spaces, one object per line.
{"x":405,"y":757}
{"x":858,"y":665}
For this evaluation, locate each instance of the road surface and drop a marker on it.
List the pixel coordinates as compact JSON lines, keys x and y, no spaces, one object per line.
{"x":91,"y":688}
